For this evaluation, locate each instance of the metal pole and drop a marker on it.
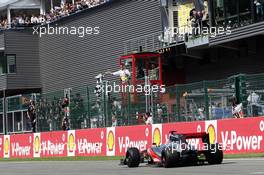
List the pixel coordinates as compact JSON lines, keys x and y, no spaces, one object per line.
{"x":4,"y":112}
{"x":88,"y":106}
{"x":146,"y":97}
{"x":252,"y":11}
{"x":206,"y":100}
{"x":13,"y":117}
{"x":178,"y":106}
{"x":41,"y":10}
{"x":222,"y":99}
{"x":153,"y":44}
{"x":152,"y":103}
{"x":34,"y":98}
{"x":22,"y":121}
{"x":8,"y":17}
{"x":105,"y":104}
{"x":129,"y":110}
{"x":51,"y":4}
{"x":211,"y":13}
{"x":3,"y":117}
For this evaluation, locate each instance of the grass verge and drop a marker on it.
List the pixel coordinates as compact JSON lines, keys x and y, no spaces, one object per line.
{"x":237,"y":156}
{"x":91,"y":158}
{"x":103,"y":158}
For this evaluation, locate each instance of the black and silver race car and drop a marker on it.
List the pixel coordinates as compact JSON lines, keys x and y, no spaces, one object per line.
{"x":176,"y":152}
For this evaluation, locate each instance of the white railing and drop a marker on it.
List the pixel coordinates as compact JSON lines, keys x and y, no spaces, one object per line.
{"x":151,"y":42}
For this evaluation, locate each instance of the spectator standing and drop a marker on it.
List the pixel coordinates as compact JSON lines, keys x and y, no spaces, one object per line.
{"x":154,"y":72}
{"x":21,"y":21}
{"x":160,"y":112}
{"x":114,"y":120}
{"x":237,"y":108}
{"x":140,"y":118}
{"x":201,"y":115}
{"x":193,"y":19}
{"x":140,"y":73}
{"x":148,"y":118}
{"x":34,"y":19}
{"x":77,"y":111}
{"x":31,"y":113}
{"x":253,"y":102}
{"x":65,"y":121}
{"x":200,"y":19}
{"x":27,"y":21}
{"x":123,"y":73}
{"x":259,"y":9}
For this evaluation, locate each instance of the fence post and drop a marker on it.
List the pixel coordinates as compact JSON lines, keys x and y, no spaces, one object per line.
{"x":88,"y":106}
{"x":241,"y":91}
{"x":206,"y":100}
{"x":178,"y":105}
{"x":5,"y":112}
{"x":105,"y":105}
{"x":129,"y":109}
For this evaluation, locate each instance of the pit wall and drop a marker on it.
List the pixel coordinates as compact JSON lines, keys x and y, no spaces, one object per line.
{"x":236,"y":135}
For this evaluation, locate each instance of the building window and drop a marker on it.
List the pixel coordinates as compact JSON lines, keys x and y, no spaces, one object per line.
{"x":175,"y":19}
{"x":174,"y":2}
{"x":232,"y":13}
{"x":2,"y":64}
{"x":11,"y":63}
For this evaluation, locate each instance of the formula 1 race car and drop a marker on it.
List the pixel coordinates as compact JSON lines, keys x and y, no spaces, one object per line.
{"x":176,"y":152}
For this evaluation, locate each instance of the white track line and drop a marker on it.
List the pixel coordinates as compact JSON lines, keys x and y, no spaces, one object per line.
{"x":256,"y":173}
{"x":246,"y":159}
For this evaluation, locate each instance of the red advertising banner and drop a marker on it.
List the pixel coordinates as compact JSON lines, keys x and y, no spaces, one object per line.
{"x":2,"y":146}
{"x":21,"y":146}
{"x":236,"y":136}
{"x":132,"y":136}
{"x":53,"y":144}
{"x":90,"y":142}
{"x":241,"y":135}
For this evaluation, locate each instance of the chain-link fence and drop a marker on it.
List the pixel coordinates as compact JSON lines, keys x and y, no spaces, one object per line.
{"x":253,"y":95}
{"x":205,"y":100}
{"x":90,"y":107}
{"x":1,"y":116}
{"x":16,"y":119}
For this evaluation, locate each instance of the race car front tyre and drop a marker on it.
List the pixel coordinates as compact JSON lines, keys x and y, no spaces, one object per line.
{"x":214,"y":154}
{"x":132,"y":157}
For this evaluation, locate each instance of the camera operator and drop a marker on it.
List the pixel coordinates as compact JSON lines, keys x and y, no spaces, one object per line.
{"x":31,"y":114}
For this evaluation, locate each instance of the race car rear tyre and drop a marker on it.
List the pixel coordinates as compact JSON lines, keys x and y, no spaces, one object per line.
{"x":133,"y":157}
{"x":214,"y":154}
{"x":193,"y":158}
{"x":170,"y":158}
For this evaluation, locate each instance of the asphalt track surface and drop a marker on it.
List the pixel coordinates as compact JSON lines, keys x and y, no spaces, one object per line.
{"x":229,"y":167}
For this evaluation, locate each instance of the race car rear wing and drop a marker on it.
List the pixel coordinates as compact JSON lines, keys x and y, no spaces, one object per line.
{"x":203,"y":135}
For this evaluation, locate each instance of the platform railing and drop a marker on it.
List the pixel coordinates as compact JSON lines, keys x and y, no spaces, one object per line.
{"x":152,"y":42}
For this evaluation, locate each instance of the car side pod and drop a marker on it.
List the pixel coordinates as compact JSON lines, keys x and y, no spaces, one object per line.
{"x":214,"y":155}
{"x":132,"y":158}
